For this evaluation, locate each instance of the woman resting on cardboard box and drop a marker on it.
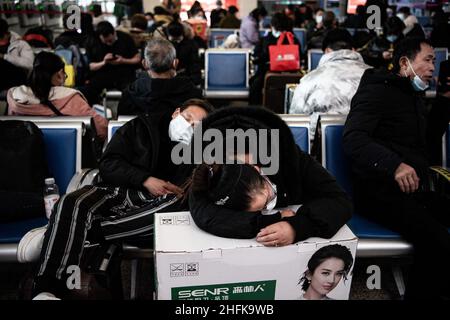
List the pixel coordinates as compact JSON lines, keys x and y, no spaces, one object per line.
{"x":229,"y":200}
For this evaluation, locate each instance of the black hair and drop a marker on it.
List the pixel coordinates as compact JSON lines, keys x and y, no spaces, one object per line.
{"x":329,"y":19}
{"x":205,"y":105}
{"x":255,"y":13}
{"x":408,"y":47}
{"x":394,"y":25}
{"x":230,"y":185}
{"x":405,"y":10}
{"x":318,"y":9}
{"x":158,"y":10}
{"x":96,"y":9}
{"x":232,"y":9}
{"x":45,"y":65}
{"x":332,"y":251}
{"x":139,"y":21}
{"x":281,"y":22}
{"x":175,"y":29}
{"x":104,"y":28}
{"x":337,"y":39}
{"x":3,"y":27}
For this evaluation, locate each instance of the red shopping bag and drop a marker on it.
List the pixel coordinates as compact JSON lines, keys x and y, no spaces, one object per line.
{"x":284,"y":57}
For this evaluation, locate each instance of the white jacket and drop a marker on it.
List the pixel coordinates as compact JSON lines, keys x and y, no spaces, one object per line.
{"x":19,"y":52}
{"x":329,"y":88}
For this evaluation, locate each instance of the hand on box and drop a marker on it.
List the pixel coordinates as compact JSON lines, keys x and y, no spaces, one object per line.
{"x":277,"y":234}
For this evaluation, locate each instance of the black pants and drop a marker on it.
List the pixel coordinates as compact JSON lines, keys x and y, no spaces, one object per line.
{"x":421,"y":218}
{"x":11,"y":75}
{"x":92,"y":214}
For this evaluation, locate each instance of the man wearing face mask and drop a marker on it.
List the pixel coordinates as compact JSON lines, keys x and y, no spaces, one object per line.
{"x":161,"y":86}
{"x":384,"y":137}
{"x":138,"y":177}
{"x":378,"y":51}
{"x":189,"y":65}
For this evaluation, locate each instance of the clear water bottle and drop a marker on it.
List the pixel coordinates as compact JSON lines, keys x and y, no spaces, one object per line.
{"x":51,"y":195}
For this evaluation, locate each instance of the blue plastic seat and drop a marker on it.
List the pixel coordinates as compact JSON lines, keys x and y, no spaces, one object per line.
{"x":227,"y":73}
{"x":63,"y":151}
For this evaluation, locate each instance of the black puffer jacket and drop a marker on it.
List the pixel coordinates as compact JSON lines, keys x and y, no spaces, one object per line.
{"x":140,"y":149}
{"x":385,"y":127}
{"x":150,"y":95}
{"x":300,"y":180}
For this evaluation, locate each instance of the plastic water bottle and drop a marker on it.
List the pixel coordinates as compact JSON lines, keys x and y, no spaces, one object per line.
{"x":51,"y":195}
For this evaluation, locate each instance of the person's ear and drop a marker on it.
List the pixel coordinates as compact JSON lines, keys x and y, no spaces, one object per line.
{"x":403,"y":62}
{"x":328,"y":50}
{"x":308,"y":275}
{"x":145,"y":64}
{"x":176,"y":113}
{"x":175,"y":64}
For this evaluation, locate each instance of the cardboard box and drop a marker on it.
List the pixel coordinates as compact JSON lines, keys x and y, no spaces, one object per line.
{"x":194,"y":265}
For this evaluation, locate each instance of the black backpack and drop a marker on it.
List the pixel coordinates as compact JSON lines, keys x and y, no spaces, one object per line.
{"x":23,"y":169}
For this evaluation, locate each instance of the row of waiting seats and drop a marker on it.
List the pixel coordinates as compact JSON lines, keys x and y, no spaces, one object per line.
{"x":64,"y":152}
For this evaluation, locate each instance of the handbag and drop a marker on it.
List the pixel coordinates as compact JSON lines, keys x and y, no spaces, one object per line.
{"x":285,"y":57}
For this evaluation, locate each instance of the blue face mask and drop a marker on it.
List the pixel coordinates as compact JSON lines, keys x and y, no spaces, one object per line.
{"x":392,"y":38}
{"x":417,"y":83}
{"x":276,"y":33}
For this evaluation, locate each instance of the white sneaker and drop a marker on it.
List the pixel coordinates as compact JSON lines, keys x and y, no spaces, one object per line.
{"x":45,"y":296}
{"x":30,"y":245}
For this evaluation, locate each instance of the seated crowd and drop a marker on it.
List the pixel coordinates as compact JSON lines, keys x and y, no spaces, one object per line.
{"x":378,"y":79}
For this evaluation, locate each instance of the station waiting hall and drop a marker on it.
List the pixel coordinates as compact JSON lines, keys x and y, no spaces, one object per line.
{"x":224,"y":150}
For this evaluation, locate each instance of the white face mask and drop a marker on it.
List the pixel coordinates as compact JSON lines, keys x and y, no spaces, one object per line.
{"x":417,"y":83}
{"x":401,"y":16}
{"x":276,"y":33}
{"x":319,"y":19}
{"x":273,"y":202}
{"x":180,"y":130}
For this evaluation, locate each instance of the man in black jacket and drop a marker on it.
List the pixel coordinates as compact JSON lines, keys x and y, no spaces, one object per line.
{"x":139,"y":178}
{"x":384,"y":137}
{"x":160,"y":85}
{"x":299,"y":180}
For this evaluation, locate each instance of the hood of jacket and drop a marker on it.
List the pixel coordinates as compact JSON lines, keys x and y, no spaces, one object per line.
{"x":286,"y":150}
{"x":23,"y":95}
{"x":340,"y":55}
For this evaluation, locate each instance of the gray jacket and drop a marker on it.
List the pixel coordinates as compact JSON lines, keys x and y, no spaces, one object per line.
{"x":19,"y":52}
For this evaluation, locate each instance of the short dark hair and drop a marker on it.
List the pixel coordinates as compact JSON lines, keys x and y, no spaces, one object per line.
{"x":232,"y":9}
{"x":3,"y":28}
{"x":139,"y":21}
{"x":393,"y":25}
{"x":408,"y":47}
{"x":337,"y":39}
{"x":175,"y":29}
{"x":105,"y":28}
{"x":405,"y":10}
{"x":205,"y":105}
{"x":328,"y":19}
{"x":281,"y":22}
